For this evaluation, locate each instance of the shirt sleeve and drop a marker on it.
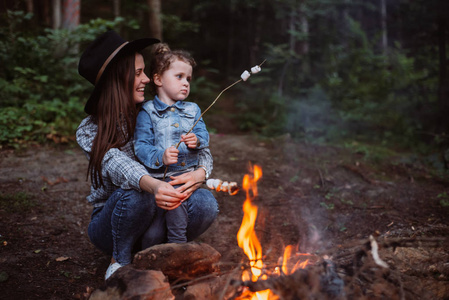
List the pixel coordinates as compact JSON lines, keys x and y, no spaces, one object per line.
{"x":144,"y":142}
{"x":122,"y":169}
{"x":119,"y":165}
{"x":205,"y":159}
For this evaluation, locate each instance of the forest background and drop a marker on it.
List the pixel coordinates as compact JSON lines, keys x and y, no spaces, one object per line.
{"x":368,"y":75}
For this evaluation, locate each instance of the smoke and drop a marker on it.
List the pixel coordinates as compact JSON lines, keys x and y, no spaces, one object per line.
{"x":313,"y":119}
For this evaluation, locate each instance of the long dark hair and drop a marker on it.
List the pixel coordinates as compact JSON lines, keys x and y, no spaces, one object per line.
{"x":115,"y":114}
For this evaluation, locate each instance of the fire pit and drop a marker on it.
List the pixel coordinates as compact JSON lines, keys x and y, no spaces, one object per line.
{"x":195,"y":270}
{"x":248,"y":241}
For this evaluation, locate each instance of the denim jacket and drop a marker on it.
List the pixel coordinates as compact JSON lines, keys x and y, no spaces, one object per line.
{"x":160,"y":126}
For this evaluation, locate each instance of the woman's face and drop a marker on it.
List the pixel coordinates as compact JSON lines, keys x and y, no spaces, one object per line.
{"x":140,"y":80}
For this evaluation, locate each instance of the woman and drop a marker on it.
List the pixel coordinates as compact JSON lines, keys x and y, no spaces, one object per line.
{"x":126,"y":200}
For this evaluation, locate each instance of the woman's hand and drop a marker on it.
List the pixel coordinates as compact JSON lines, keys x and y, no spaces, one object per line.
{"x":166,"y":196}
{"x":190,"y":140}
{"x":189,"y":181}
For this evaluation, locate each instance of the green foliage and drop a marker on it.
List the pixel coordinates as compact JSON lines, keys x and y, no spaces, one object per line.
{"x":369,"y":151}
{"x":202,"y":90}
{"x":377,"y":93}
{"x":175,"y":29}
{"x":342,"y":88}
{"x":261,"y":113}
{"x":41,"y":94}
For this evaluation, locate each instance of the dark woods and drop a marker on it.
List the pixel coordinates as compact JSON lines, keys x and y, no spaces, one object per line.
{"x":372,"y":71}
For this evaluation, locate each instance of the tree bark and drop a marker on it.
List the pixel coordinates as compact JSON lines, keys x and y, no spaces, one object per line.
{"x":56,"y":5}
{"x":30,"y":6}
{"x":116,"y":8}
{"x":304,"y":29}
{"x":443,"y":89}
{"x":154,"y":18}
{"x":383,"y":21}
{"x":71,"y":17}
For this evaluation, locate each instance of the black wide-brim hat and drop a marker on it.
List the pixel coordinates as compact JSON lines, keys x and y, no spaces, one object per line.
{"x":98,"y":56}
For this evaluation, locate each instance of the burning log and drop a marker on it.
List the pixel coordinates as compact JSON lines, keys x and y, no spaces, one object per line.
{"x":179,"y":261}
{"x":315,"y":282}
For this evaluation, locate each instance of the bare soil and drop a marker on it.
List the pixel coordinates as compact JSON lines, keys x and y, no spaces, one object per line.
{"x":320,"y":198}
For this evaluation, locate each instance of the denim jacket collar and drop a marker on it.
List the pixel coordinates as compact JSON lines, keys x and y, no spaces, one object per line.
{"x":161,"y":106}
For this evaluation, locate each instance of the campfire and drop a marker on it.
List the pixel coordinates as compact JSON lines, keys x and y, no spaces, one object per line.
{"x":195,"y":270}
{"x":248,"y":241}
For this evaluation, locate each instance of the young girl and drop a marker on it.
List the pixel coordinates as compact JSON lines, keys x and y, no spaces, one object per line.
{"x":125,"y":198}
{"x":163,"y":123}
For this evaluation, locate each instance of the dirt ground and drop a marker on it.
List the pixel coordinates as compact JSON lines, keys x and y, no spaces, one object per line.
{"x":320,"y":198}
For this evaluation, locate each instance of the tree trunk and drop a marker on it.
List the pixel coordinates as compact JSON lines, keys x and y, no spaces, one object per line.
{"x":154,"y":18}
{"x":116,"y":8}
{"x":304,"y":29}
{"x":71,"y":18}
{"x":383,"y":21}
{"x":56,"y":4}
{"x":443,"y":89}
{"x":30,"y":6}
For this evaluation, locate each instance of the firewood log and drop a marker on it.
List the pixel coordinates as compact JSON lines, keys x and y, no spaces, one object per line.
{"x":315,"y":282}
{"x":130,"y":283}
{"x":179,"y":261}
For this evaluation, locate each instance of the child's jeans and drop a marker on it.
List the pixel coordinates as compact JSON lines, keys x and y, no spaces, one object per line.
{"x":130,"y":220}
{"x":176,"y":221}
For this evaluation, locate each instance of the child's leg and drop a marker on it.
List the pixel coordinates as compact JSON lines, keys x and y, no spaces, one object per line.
{"x":176,"y":221}
{"x":157,"y":232}
{"x":202,"y":210}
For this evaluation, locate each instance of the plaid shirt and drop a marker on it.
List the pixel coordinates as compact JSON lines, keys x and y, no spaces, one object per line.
{"x":120,"y":168}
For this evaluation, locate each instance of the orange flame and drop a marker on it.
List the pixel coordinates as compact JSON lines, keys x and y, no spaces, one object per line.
{"x":289,"y":258}
{"x":246,"y":237}
{"x":248,"y":241}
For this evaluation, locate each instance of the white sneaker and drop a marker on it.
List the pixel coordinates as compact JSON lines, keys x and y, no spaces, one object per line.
{"x":111,"y":269}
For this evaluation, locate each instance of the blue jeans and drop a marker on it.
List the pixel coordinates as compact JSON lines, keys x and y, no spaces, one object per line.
{"x":176,"y":222}
{"x":130,"y":221}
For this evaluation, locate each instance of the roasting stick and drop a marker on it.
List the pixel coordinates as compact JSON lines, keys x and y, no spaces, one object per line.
{"x":245,"y":75}
{"x":218,"y":185}
{"x":198,"y":182}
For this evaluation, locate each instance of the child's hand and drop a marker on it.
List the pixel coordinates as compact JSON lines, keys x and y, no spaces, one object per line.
{"x":170,"y":156}
{"x":190,"y":140}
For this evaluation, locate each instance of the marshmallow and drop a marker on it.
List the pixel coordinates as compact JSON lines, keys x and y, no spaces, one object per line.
{"x":255,"y":69}
{"x":212,"y":183}
{"x":223,"y":186}
{"x":245,"y":75}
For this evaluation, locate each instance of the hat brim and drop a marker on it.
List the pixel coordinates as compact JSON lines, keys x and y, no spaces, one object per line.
{"x":133,"y":46}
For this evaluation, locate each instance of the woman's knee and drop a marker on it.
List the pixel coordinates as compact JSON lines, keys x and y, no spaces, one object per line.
{"x":132,"y":208}
{"x":202,"y":201}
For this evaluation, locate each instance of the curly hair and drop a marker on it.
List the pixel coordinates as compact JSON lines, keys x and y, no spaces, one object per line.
{"x":161,"y":58}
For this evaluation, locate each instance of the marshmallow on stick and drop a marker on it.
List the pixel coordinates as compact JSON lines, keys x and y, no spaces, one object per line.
{"x":245,"y":75}
{"x":222,"y":186}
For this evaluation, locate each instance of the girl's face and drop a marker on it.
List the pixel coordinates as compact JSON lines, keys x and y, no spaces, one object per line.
{"x":140,"y":80}
{"x":174,"y":84}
